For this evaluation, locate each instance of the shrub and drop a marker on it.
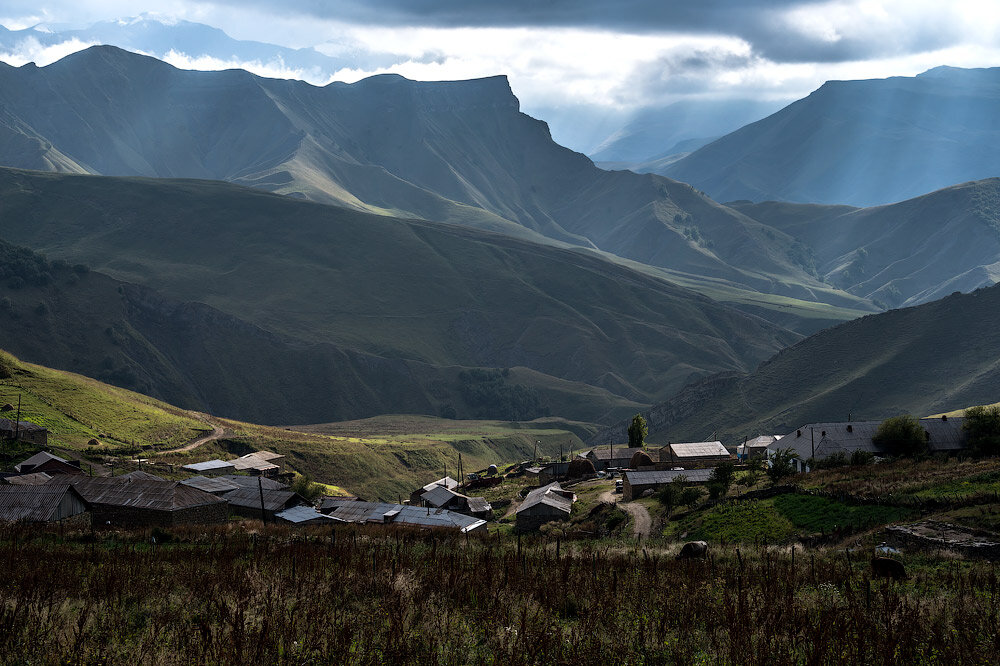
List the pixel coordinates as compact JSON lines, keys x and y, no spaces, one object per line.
{"x":722,"y":475}
{"x":303,"y":485}
{"x":860,"y":457}
{"x":901,"y":436}
{"x":838,"y":459}
{"x":982,"y":424}
{"x":781,"y":465}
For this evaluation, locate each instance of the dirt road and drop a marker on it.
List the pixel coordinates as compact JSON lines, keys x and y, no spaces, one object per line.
{"x":640,"y":515}
{"x":217,"y":432}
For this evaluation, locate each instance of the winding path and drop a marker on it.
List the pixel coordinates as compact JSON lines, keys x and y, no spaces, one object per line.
{"x":217,"y":433}
{"x":641,"y":521}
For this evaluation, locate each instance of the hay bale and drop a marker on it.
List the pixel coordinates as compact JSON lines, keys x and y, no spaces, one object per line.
{"x":94,"y":442}
{"x":7,"y":408}
{"x":640,"y":459}
{"x":580,"y":467}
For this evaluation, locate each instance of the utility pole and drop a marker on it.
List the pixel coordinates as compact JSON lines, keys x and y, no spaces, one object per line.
{"x":461,"y":476}
{"x":260,"y":487}
{"x":535,"y":457}
{"x":17,"y":420}
{"x":812,"y":444}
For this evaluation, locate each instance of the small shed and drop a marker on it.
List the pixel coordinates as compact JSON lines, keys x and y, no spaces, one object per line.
{"x":256,"y":464}
{"x":48,"y":463}
{"x":755,"y":448}
{"x":382,"y":513}
{"x":122,"y":502}
{"x":39,"y":504}
{"x":694,"y":454}
{"x":440,"y":497}
{"x":636,"y":482}
{"x":542,"y":505}
{"x":210,"y":467}
{"x":252,"y":502}
{"x":24,"y":431}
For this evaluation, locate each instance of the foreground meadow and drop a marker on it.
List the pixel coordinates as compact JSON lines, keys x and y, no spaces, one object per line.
{"x":245,"y":594}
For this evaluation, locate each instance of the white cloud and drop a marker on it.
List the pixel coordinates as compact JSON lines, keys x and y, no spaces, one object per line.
{"x":274,"y":69}
{"x":30,"y":49}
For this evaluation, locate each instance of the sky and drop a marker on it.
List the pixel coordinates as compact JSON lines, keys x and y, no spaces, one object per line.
{"x":616,"y":55}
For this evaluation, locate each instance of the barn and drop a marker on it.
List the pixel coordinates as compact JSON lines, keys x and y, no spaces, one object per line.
{"x":48,"y":463}
{"x":121,"y":502}
{"x":255,"y":502}
{"x":636,"y":482}
{"x":694,"y":454}
{"x":25,"y":431}
{"x":39,"y":504}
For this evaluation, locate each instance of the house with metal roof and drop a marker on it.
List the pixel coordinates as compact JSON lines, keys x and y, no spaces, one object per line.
{"x":604,"y":457}
{"x":254,"y":482}
{"x":261,"y":462}
{"x":382,"y":513}
{"x":440,"y":497}
{"x":48,"y":463}
{"x":542,"y":505}
{"x":756,"y":447}
{"x":636,"y":482}
{"x":140,"y":475}
{"x":39,"y":503}
{"x":121,"y":502}
{"x":694,"y":454}
{"x":30,"y":479}
{"x":24,"y":431}
{"x":446,"y":482}
{"x":305,"y":515}
{"x":256,"y":502}
{"x":216,"y":485}
{"x":211,"y":467}
{"x":818,"y":441}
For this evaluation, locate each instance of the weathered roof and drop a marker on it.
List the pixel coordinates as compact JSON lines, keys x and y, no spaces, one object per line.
{"x":301,"y":515}
{"x":551,"y":495}
{"x":447,"y":482}
{"x":398,"y":514}
{"x":138,"y":493}
{"x":478,"y":505}
{"x":759,"y":442}
{"x":254,"y":482}
{"x":699,"y":450}
{"x":24,"y":426}
{"x":218,"y":484}
{"x":826,"y":439}
{"x":439,"y":496}
{"x":30,"y":479}
{"x":274,"y":500}
{"x":209,"y":465}
{"x":327,"y":504}
{"x":35,"y":504}
{"x":603,"y":453}
{"x":139,"y":475}
{"x":644,"y":477}
{"x":38,"y":459}
{"x":267,"y":455}
{"x":254,"y":462}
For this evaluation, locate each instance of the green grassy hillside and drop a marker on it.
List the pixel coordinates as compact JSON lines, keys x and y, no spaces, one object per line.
{"x":379,"y":458}
{"x":391,"y":296}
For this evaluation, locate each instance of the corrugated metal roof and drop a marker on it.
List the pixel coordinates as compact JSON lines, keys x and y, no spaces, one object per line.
{"x":645,"y":477}
{"x":551,"y":495}
{"x":603,"y":453}
{"x":398,"y":514}
{"x":209,"y":465}
{"x":699,"y":450}
{"x":31,"y":479}
{"x":38,"y":459}
{"x":139,"y":475}
{"x":479,"y":505}
{"x":447,"y":482}
{"x":253,"y":481}
{"x":37,"y":504}
{"x":254,"y":462}
{"x":327,"y":504}
{"x":214,"y":485}
{"x":269,"y":456}
{"x":439,"y":496}
{"x":847,"y":437}
{"x":274,"y":500}
{"x":155,"y":495}
{"x":300,"y":515}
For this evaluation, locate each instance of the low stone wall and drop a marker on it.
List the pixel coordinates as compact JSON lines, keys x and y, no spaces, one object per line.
{"x":103,"y":515}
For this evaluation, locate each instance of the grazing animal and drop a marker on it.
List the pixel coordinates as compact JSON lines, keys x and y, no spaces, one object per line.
{"x":886,"y":567}
{"x":693,"y":549}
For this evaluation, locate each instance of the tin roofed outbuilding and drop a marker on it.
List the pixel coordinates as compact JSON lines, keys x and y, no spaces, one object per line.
{"x":121,"y":502}
{"x":382,"y":513}
{"x":255,"y":502}
{"x":39,"y":504}
{"x":543,"y":505}
{"x":636,"y":482}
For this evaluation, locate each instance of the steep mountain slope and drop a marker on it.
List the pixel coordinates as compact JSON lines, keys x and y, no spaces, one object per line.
{"x":391,"y":293}
{"x":456,"y":152}
{"x":922,"y":360}
{"x":860,"y":142}
{"x":901,"y":254}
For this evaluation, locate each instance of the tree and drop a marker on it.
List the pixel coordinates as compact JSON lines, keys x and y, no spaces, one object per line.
{"x":723,"y":475}
{"x":781,"y":464}
{"x":304,"y":486}
{"x":670,"y":494}
{"x":982,"y":424}
{"x":637,"y":431}
{"x":901,"y":436}
{"x":690,"y":496}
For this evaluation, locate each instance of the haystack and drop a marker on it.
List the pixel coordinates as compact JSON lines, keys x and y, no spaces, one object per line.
{"x":640,"y":459}
{"x":580,"y":467}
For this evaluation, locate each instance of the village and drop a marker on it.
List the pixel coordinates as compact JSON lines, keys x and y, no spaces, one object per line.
{"x":523,"y":497}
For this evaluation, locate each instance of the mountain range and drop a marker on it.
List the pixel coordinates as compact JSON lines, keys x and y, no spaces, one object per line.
{"x":921,"y":360}
{"x":862,"y":143}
